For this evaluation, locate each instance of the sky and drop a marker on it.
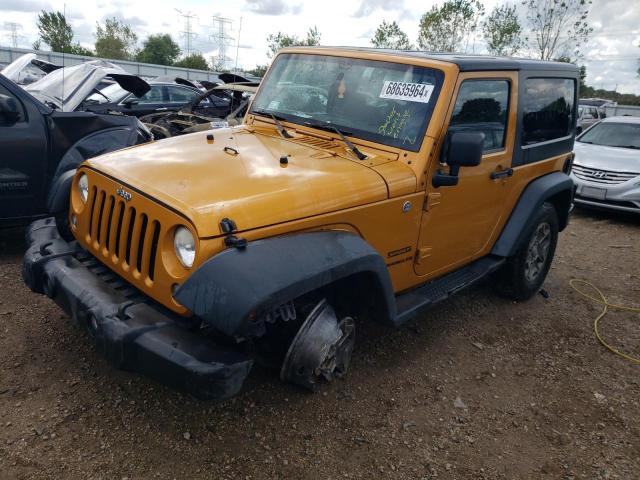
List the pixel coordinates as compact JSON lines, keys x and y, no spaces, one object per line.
{"x":612,"y":55}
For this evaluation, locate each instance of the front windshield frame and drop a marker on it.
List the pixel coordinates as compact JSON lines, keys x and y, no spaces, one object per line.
{"x":586,"y":137}
{"x":352,"y":130}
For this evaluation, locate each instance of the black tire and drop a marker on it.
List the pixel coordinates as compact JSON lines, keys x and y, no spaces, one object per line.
{"x":64,"y":229}
{"x":523,"y":274}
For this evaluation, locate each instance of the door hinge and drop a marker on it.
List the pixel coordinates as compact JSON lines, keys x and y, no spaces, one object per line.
{"x":422,"y":254}
{"x":433,"y":199}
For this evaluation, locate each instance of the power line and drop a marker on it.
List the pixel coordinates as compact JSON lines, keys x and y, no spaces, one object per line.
{"x":221,"y":39}
{"x":187,"y":34}
{"x":13,"y":29}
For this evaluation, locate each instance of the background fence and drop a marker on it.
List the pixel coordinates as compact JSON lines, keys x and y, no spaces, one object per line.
{"x":9,"y":54}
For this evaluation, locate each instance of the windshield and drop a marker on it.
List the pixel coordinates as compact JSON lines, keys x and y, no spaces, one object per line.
{"x":624,"y":135}
{"x":388,"y":103}
{"x":113,"y":92}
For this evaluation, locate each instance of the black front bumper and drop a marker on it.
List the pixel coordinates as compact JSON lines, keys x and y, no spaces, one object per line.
{"x":131,"y":331}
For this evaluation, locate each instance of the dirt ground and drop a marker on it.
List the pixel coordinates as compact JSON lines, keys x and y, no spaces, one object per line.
{"x":480,"y":387}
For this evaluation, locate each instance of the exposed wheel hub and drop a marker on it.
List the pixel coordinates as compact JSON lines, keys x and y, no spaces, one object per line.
{"x":321,"y":350}
{"x":538,"y":252}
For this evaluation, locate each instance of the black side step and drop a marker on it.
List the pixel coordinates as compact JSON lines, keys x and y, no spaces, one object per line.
{"x":414,"y":301}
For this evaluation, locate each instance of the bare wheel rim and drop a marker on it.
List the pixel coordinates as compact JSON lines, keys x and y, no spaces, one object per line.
{"x":537,"y":252}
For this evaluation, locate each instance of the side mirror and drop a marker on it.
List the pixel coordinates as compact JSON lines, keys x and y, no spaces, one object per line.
{"x":9,"y":109}
{"x":461,"y":149}
{"x":130,"y":101}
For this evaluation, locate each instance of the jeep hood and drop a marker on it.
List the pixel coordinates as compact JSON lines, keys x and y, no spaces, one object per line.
{"x":208,"y":181}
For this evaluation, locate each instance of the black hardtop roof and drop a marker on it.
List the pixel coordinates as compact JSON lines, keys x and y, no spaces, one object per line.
{"x":470,"y":63}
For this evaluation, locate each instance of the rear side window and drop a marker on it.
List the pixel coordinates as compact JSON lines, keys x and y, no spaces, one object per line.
{"x":482,"y":106}
{"x":547,"y":107}
{"x":181,"y":95}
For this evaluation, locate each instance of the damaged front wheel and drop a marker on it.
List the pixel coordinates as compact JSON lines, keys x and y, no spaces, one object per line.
{"x":321,"y":350}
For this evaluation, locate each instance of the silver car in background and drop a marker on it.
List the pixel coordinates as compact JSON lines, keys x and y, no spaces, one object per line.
{"x":606,"y":169}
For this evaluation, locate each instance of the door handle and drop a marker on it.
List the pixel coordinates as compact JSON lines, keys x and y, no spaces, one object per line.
{"x":161,"y":109}
{"x":507,"y":172}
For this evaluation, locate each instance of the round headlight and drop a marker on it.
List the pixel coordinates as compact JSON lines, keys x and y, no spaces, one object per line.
{"x":83,"y":187}
{"x":185,"y":246}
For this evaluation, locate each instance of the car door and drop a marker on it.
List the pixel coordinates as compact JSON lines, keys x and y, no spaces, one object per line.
{"x":23,"y":157}
{"x":179,"y":96}
{"x":460,"y":222}
{"x":155,"y":100}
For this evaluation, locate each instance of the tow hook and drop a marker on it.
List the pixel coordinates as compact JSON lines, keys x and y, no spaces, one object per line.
{"x":321,"y":350}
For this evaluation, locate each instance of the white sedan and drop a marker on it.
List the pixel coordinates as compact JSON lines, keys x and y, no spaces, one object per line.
{"x":606,"y":169}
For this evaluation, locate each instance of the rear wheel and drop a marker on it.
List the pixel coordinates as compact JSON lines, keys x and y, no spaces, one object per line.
{"x":524,"y":273}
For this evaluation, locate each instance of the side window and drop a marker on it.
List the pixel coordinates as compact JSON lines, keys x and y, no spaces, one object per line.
{"x":547,"y":106}
{"x":181,"y":95}
{"x":152,"y":96}
{"x":11,"y":110}
{"x":482,"y":106}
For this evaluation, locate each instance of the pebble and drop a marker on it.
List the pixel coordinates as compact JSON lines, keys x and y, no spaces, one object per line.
{"x":458,"y":403}
{"x":186,"y":436}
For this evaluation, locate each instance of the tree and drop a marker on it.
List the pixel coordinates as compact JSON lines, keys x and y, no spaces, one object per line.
{"x":159,"y":49}
{"x":258,"y":70}
{"x":502,"y":31}
{"x":559,"y":27}
{"x":448,"y":28}
{"x":54,"y":30}
{"x":78,"y":49}
{"x":195,"y":61}
{"x":389,"y":35}
{"x":282,"y":40}
{"x":115,"y":40}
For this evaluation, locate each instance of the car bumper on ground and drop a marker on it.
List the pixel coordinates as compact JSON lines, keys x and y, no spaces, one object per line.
{"x":131,"y":331}
{"x":623,"y":197}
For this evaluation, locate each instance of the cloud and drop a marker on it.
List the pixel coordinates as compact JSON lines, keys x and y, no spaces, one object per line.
{"x":131,"y":21}
{"x":273,"y":7}
{"x":24,"y":5}
{"x":367,"y":7}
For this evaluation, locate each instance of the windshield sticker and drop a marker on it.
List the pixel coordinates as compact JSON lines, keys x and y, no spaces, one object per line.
{"x":394,"y":124}
{"x":411,"y":92}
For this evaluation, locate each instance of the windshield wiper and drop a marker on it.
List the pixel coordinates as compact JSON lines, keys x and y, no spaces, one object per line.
{"x":276,"y":120}
{"x":330,"y":128}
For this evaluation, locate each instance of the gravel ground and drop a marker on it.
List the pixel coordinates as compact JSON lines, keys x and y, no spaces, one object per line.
{"x":480,"y":387}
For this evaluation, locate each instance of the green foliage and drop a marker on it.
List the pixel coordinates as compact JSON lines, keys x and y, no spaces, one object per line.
{"x":115,"y":40}
{"x":502,"y":31}
{"x":559,"y":27}
{"x":78,"y":49}
{"x":55,"y":31}
{"x":282,"y":40}
{"x":159,"y":49}
{"x":258,"y":70}
{"x":389,"y":35}
{"x":195,"y":61}
{"x":447,"y":28}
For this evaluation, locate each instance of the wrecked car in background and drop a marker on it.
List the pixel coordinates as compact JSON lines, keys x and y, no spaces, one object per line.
{"x":357,"y":187}
{"x":41,"y":145}
{"x":163,"y":96}
{"x":193,"y":118}
{"x":66,"y":88}
{"x":27,"y":69}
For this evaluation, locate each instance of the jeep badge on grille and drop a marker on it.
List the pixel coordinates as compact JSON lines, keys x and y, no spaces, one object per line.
{"x":121,"y":192}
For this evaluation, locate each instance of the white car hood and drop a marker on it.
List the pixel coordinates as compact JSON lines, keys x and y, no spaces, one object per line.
{"x":68,"y":87}
{"x":607,"y":158}
{"x":14,"y":69}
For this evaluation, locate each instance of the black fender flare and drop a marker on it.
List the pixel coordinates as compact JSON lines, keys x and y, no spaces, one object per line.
{"x":58,"y":198}
{"x":228,"y":288}
{"x":556,"y":188}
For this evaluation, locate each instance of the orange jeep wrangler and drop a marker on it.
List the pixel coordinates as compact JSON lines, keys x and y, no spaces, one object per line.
{"x":363,"y":183}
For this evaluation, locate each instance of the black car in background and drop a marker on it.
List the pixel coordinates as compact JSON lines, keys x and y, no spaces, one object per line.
{"x":40,"y":148}
{"x":162,"y":97}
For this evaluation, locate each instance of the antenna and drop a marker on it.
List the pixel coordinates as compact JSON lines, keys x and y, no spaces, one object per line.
{"x":221,"y":39}
{"x":64,"y":14}
{"x":238,"y":45}
{"x":187,"y":34}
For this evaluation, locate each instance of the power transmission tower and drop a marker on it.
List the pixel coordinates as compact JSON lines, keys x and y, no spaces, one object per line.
{"x":13,"y":29}
{"x":221,"y":39}
{"x":187,"y":34}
